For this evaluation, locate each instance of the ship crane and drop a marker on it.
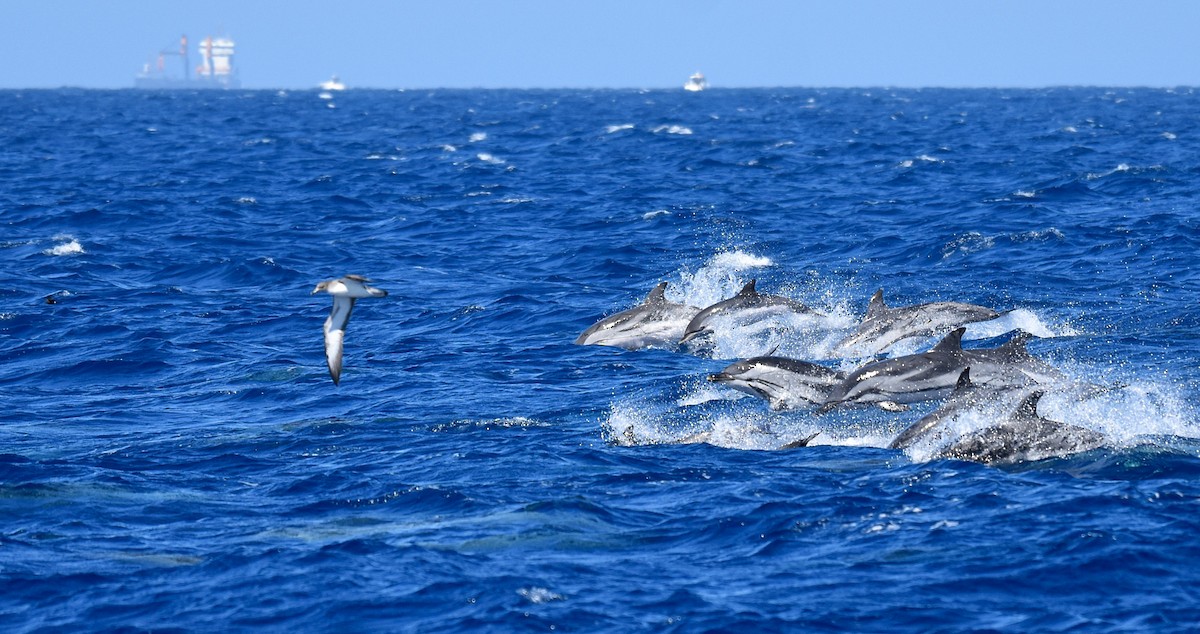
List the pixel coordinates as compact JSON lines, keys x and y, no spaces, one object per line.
{"x":182,"y":52}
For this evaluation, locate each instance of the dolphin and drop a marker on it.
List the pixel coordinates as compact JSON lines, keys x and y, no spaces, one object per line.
{"x":630,"y":438}
{"x":891,"y":383}
{"x":883,"y":326}
{"x":654,"y":322}
{"x":344,"y":290}
{"x":784,"y":383}
{"x":967,"y":396}
{"x":1023,"y":436}
{"x":748,"y":302}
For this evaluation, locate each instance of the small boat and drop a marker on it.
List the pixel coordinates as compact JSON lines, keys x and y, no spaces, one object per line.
{"x":333,"y":84}
{"x":695,"y":83}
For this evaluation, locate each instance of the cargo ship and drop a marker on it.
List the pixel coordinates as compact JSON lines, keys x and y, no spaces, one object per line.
{"x":215,"y":70}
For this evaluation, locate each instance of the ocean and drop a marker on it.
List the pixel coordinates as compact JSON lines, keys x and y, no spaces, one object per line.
{"x":174,"y":455}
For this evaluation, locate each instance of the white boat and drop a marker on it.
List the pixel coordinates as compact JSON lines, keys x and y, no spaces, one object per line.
{"x":332,"y":84}
{"x":695,"y":83}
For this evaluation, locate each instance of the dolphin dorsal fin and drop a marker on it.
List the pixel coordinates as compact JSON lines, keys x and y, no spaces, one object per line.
{"x":877,"y":306}
{"x":657,"y":294}
{"x":748,"y":289}
{"x":952,"y":342}
{"x":964,"y":380}
{"x":1015,"y":348}
{"x":1028,"y":407}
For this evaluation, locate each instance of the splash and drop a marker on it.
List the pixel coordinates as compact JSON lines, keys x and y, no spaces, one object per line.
{"x":718,"y":278}
{"x":636,"y":423}
{"x":1126,"y":416}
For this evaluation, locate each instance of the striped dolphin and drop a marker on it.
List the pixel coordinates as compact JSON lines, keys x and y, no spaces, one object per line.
{"x":748,"y":303}
{"x":883,"y":326}
{"x":654,"y":322}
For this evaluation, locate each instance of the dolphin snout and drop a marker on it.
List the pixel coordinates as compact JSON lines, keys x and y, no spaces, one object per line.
{"x":720,"y":377}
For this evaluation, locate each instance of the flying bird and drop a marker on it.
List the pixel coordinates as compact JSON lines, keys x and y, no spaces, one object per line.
{"x":344,"y":290}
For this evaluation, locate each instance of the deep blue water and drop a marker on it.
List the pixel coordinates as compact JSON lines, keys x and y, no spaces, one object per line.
{"x":173,"y":454}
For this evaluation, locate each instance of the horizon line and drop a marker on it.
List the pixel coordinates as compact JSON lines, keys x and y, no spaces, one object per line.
{"x":627,"y":88}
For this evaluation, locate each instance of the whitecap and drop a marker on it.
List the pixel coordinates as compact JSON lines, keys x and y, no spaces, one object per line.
{"x":489,"y":158}
{"x":618,"y":128}
{"x":247,"y":200}
{"x":517,"y":422}
{"x":1037,"y":236}
{"x":478,"y":136}
{"x":971,"y":242}
{"x":71,"y":247}
{"x":672,"y":129}
{"x":1170,"y":136}
{"x":654,"y":214}
{"x":535,"y":594}
{"x":924,"y":158}
{"x":1121,"y":167}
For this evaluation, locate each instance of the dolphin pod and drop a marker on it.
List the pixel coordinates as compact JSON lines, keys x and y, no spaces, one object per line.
{"x":1002,"y":385}
{"x":893,"y":383}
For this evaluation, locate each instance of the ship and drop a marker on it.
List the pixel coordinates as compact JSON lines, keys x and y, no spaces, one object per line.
{"x":215,"y":71}
{"x":696,"y":82}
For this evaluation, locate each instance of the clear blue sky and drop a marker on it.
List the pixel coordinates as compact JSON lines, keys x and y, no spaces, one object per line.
{"x":616,"y":43}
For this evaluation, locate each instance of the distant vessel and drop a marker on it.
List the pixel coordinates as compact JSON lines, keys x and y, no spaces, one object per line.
{"x":695,"y":83}
{"x":333,"y":84}
{"x":215,"y":70}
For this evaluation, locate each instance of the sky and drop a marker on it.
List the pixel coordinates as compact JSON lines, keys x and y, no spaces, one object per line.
{"x":615,"y":43}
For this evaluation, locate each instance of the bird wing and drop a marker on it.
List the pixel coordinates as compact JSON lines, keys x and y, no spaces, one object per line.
{"x":335,"y":332}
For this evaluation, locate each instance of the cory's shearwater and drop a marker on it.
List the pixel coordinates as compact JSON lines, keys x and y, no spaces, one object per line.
{"x":344,"y":290}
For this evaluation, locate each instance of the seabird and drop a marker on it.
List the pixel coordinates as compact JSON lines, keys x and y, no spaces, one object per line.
{"x":344,"y":290}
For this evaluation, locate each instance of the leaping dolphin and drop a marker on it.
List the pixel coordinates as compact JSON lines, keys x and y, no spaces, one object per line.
{"x":1023,"y":436}
{"x":344,"y":290}
{"x":784,"y":383}
{"x":883,"y":326}
{"x":748,"y":301}
{"x":891,"y":383}
{"x":654,"y":322}
{"x":967,"y":396}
